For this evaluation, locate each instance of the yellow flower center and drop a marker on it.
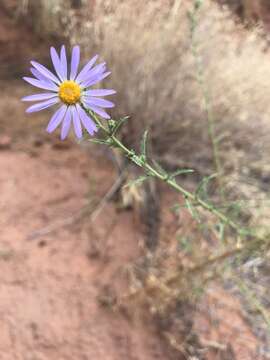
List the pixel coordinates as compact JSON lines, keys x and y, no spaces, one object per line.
{"x":69,"y":92}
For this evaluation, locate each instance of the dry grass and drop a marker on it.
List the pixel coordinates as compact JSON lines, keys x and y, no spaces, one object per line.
{"x":148,"y":48}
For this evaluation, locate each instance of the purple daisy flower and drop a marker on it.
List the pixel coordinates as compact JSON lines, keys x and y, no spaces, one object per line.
{"x":71,"y":91}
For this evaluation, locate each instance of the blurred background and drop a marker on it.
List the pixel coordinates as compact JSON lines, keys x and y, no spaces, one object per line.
{"x":73,"y":244}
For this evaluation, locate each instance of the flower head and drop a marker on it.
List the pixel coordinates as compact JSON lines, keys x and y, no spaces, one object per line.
{"x":71,"y":90}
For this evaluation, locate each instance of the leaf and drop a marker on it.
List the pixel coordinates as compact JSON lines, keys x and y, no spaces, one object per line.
{"x":202,"y":187}
{"x":111,"y":124}
{"x":101,"y":141}
{"x":221,"y":137}
{"x":138,"y":160}
{"x":144,"y":144}
{"x":137,"y":181}
{"x":221,"y":231}
{"x":119,"y":124}
{"x":181,"y":172}
{"x":192,"y":210}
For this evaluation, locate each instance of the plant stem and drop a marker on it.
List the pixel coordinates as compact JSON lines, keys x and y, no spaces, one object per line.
{"x":165,"y":177}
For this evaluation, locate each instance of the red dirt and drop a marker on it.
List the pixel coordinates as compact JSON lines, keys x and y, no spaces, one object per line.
{"x":223,"y":328}
{"x":49,"y":285}
{"x":52,"y":285}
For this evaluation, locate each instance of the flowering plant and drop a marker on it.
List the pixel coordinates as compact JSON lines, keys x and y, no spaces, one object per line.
{"x":71,"y":89}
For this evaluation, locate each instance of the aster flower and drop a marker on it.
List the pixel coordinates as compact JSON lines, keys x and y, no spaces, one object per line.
{"x":71,"y":90}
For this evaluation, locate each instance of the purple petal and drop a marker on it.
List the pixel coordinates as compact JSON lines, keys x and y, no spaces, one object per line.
{"x":86,"y":68}
{"x":99,"y":92}
{"x":63,"y":60}
{"x":75,"y":60}
{"x":76,"y":122}
{"x":45,"y":72}
{"x":99,"y":102}
{"x":56,"y":63}
{"x":87,"y":122}
{"x":98,"y":110}
{"x":56,"y":118}
{"x":39,"y":97}
{"x":97,"y":70}
{"x":100,"y":68}
{"x":42,"y":105}
{"x":37,"y":74}
{"x":97,"y":79}
{"x":42,"y":84}
{"x":66,"y":124}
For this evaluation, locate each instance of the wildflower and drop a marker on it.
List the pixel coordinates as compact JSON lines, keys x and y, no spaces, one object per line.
{"x":71,"y":90}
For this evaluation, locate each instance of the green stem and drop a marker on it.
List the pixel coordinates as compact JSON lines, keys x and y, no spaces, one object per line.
{"x":115,"y":142}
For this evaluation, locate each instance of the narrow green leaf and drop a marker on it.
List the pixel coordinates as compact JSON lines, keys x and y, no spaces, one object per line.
{"x":111,"y":124}
{"x":137,"y":181}
{"x":144,"y":144}
{"x":192,"y":210}
{"x":221,"y":231}
{"x":221,"y":137}
{"x":181,"y":172}
{"x":202,"y":187}
{"x":100,"y":141}
{"x":119,"y":124}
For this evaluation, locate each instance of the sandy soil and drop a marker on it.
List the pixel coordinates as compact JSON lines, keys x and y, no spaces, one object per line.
{"x":62,"y":262}
{"x":50,"y":285}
